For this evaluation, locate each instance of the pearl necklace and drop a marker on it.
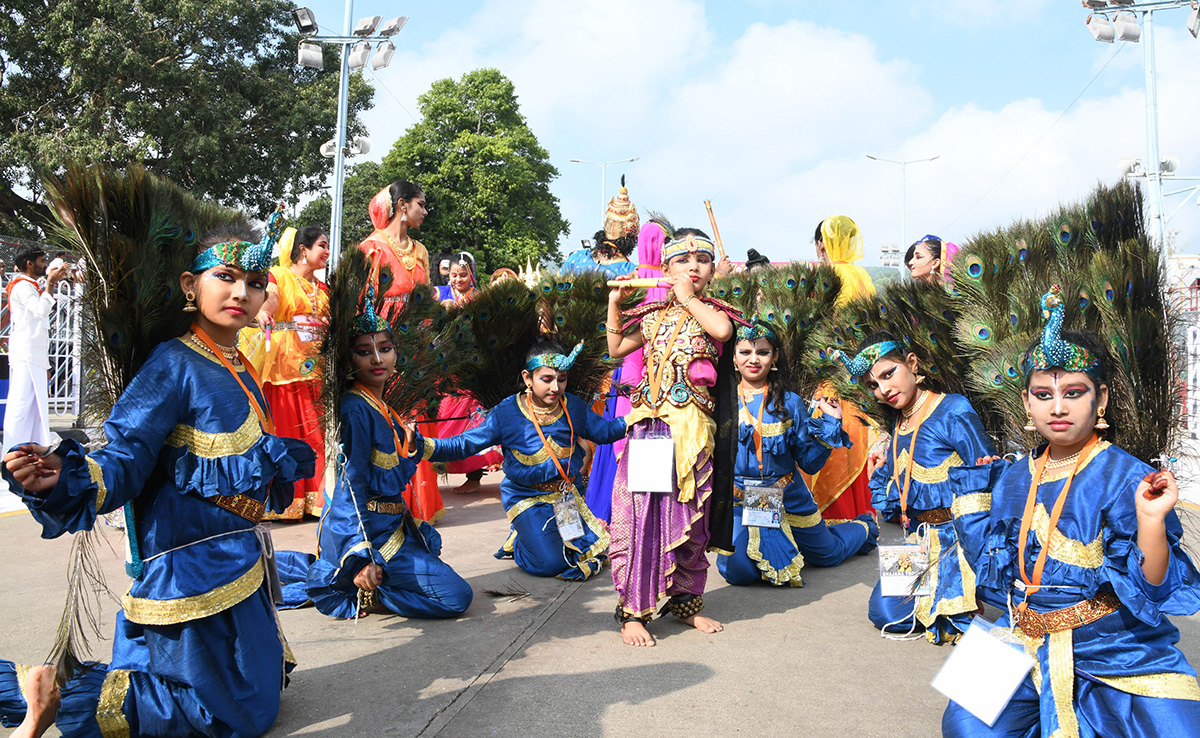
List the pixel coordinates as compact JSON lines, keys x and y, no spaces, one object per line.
{"x":230,"y":352}
{"x":1061,"y":463}
{"x":916,"y":405}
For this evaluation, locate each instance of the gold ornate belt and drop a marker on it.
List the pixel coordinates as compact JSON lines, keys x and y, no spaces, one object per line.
{"x":550,"y":487}
{"x":935,"y":517}
{"x":1037,"y":624}
{"x":781,"y":483}
{"x":241,"y":505}
{"x":387,"y":508}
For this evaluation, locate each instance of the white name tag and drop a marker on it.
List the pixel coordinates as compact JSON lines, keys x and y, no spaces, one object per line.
{"x":651,"y":465}
{"x":762,"y":505}
{"x":567,"y":517}
{"x":983,"y":671}
{"x":899,"y":567}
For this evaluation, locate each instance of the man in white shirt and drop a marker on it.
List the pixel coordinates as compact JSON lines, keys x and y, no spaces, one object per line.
{"x":26,"y":418}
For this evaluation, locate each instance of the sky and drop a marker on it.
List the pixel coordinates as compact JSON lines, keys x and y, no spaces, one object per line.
{"x":769,"y":108}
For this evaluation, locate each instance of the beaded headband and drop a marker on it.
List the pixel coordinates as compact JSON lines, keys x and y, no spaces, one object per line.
{"x":757,"y":330}
{"x":866,"y":358}
{"x":252,"y":257}
{"x":369,"y":321}
{"x":687,"y":245}
{"x":1054,"y":351}
{"x":558,"y":362}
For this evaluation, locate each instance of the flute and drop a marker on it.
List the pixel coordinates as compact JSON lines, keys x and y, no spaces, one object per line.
{"x":642,"y":283}
{"x":716,"y":231}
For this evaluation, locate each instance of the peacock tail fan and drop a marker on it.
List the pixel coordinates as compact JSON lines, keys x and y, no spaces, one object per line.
{"x":574,"y":309}
{"x":994,"y":385}
{"x":346,"y":284}
{"x":138,"y":234}
{"x":739,"y":289}
{"x":422,"y":338}
{"x":485,"y":343}
{"x":796,"y":300}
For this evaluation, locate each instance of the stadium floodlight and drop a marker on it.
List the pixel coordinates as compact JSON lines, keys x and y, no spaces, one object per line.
{"x":310,"y":55}
{"x":306,"y":21}
{"x":359,"y":55}
{"x":1193,"y":21}
{"x":329,"y":148}
{"x":1127,"y":27}
{"x":359,"y":145}
{"x":383,"y":54}
{"x":393,"y":26}
{"x":1101,"y":29}
{"x":1094,"y":4}
{"x":366,"y":26}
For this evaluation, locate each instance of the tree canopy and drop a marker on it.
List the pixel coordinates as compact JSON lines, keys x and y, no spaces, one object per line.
{"x":205,"y":92}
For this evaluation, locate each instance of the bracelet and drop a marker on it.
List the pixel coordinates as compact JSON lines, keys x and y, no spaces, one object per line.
{"x":616,"y":331}
{"x":685,"y":303}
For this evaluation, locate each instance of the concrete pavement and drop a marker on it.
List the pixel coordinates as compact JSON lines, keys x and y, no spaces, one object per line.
{"x":791,"y":661}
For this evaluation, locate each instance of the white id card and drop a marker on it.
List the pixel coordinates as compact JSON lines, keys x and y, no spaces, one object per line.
{"x":567,"y":517}
{"x":306,"y":334}
{"x":984,"y":670}
{"x":899,"y":567}
{"x":762,"y":505}
{"x":651,"y":464}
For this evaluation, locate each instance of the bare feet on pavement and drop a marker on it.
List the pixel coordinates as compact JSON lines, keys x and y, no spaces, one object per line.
{"x":703,"y":624}
{"x":467,"y":487}
{"x":634,"y":633}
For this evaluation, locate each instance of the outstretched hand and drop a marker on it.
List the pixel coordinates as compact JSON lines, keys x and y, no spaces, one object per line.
{"x":32,"y":469}
{"x":1156,"y":495}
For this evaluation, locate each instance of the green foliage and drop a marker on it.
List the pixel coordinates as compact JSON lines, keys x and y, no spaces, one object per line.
{"x":207,"y":94}
{"x":362,"y":182}
{"x":485,"y":176}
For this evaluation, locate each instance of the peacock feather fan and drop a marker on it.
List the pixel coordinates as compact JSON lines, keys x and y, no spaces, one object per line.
{"x":422,"y":335}
{"x":483,"y":345}
{"x":794,"y":300}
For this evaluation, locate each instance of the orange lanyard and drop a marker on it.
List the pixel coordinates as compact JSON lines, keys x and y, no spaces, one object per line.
{"x":388,"y":415}
{"x":757,"y":426}
{"x":655,"y":369}
{"x":264,"y":416}
{"x":546,"y":444}
{"x":1035,"y":584}
{"x":912,"y":455}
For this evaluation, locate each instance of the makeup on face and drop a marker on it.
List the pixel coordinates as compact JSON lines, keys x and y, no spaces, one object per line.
{"x":1063,"y":405}
{"x":754,"y":359}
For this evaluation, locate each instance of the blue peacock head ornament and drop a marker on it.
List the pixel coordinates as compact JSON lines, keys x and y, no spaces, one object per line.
{"x":862,"y":363}
{"x":369,"y":321}
{"x":252,"y":257}
{"x":1055,"y":351}
{"x":756,"y":330}
{"x":558,"y":362}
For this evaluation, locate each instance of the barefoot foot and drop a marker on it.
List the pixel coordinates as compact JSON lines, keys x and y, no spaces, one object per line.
{"x":634,"y":633}
{"x":703,"y":624}
{"x":43,"y":699}
{"x":467,"y":487}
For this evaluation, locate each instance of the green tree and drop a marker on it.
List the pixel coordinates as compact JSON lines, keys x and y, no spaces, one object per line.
{"x":206,"y":92}
{"x":363,"y":181}
{"x":486,"y":178}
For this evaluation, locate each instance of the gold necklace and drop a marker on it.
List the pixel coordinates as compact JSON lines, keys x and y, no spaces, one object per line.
{"x":405,"y":256}
{"x":751,"y":391}
{"x":230,"y":352}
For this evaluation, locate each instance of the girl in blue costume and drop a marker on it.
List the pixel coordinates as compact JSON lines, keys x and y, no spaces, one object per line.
{"x":775,"y":435}
{"x":1091,"y":607}
{"x":538,"y":431}
{"x":932,"y":434}
{"x":191,"y":456}
{"x":373,"y":556}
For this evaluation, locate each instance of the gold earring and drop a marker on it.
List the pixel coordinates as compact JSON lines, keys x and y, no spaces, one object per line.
{"x":190,"y":307}
{"x":1029,"y":422}
{"x":774,"y":368}
{"x":1101,"y":423}
{"x":920,"y":378}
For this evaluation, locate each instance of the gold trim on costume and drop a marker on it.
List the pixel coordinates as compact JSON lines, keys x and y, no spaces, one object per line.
{"x":789,"y":574}
{"x":768,"y":429}
{"x":360,"y":546}
{"x":97,"y":475}
{"x":386,"y":508}
{"x":383,"y":460}
{"x":929,"y":474}
{"x":1055,"y":475}
{"x":927,"y":611}
{"x":1061,"y":655}
{"x":22,"y":672}
{"x":109,"y":715}
{"x":1169,"y":684}
{"x":1068,"y":550}
{"x":542,"y":455}
{"x":430,"y":445}
{"x":183,"y":609}
{"x":973,"y":503}
{"x":392,"y":545}
{"x":805,"y":521}
{"x":217,"y":445}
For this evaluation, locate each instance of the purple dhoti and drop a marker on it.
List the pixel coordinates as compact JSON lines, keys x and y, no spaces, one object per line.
{"x":658,"y":544}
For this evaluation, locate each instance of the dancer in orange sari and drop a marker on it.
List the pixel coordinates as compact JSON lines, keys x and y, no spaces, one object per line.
{"x":395,"y":209}
{"x":840,"y":488}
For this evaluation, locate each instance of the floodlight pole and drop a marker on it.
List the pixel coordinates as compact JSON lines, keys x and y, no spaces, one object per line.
{"x":903,"y":197}
{"x":604,"y":165}
{"x":1153,"y":159}
{"x":339,"y":158}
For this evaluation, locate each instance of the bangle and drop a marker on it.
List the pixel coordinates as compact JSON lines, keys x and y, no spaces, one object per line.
{"x":616,"y":331}
{"x":687,"y":301}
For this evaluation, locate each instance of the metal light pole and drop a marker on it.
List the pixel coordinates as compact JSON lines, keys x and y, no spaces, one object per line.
{"x":603,"y":176}
{"x":903,"y":190}
{"x":339,"y":159}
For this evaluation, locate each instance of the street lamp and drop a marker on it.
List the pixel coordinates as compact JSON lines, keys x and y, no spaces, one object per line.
{"x":1123,"y":25}
{"x":903,"y":188}
{"x":356,"y":42}
{"x":603,"y":173}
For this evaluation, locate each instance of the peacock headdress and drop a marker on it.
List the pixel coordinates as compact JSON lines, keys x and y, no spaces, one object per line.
{"x":367,"y":320}
{"x":689,"y":244}
{"x":757,"y":329}
{"x":252,"y":257}
{"x":1055,"y":351}
{"x":866,"y":358}
{"x":559,"y":362}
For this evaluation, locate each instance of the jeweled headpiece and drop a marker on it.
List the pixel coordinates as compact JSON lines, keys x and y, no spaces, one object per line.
{"x":558,"y":362}
{"x":252,"y":257}
{"x":1053,"y":350}
{"x":621,"y":216}
{"x":687,"y":245}
{"x":369,"y":321}
{"x":866,"y":358}
{"x":756,"y":330}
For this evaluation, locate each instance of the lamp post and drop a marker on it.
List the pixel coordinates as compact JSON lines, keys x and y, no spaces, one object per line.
{"x":1111,"y":20}
{"x":356,"y":41}
{"x":604,"y":165}
{"x":903,"y":188}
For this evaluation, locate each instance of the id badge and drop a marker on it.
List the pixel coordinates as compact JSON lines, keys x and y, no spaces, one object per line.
{"x":306,"y":335}
{"x":567,"y":517}
{"x":762,"y":505}
{"x":984,"y":670}
{"x":651,"y":464}
{"x":900,"y":566}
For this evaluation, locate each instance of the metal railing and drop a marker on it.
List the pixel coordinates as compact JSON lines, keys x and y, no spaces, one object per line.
{"x":65,"y":346}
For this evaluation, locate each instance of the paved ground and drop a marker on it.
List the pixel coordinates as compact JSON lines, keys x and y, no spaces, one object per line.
{"x":791,"y":661}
